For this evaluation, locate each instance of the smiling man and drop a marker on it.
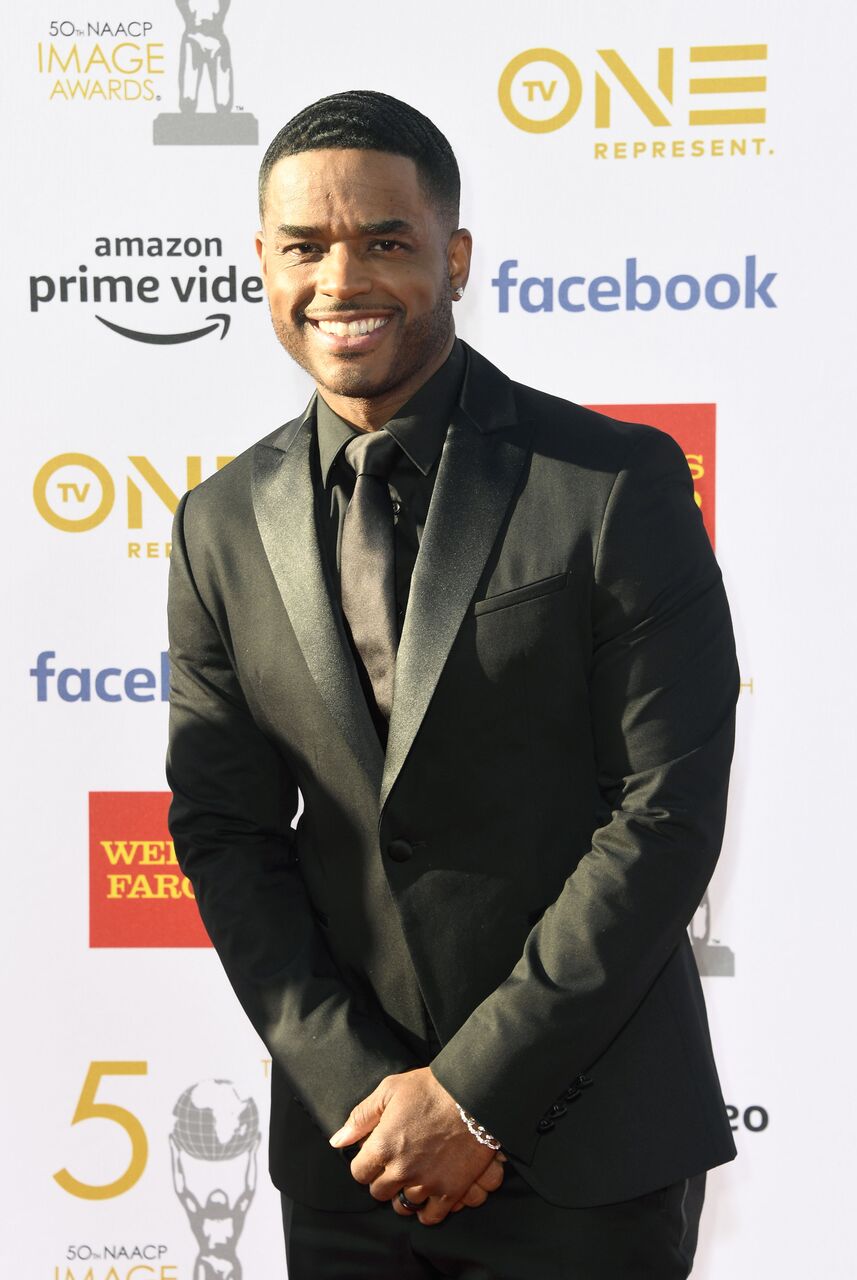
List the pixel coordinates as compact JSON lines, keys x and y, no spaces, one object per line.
{"x":360,"y":287}
{"x":481,"y":632}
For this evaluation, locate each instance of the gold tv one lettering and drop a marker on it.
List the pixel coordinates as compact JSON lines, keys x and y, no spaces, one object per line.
{"x":701,"y":58}
{"x":56,"y":499}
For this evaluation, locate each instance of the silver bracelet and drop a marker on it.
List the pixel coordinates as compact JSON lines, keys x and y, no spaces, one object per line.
{"x":479,"y":1132}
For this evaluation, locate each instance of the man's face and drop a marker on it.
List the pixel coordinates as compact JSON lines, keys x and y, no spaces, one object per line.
{"x":358,"y":267}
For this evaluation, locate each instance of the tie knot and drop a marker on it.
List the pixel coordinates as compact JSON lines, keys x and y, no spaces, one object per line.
{"x":372,"y":453}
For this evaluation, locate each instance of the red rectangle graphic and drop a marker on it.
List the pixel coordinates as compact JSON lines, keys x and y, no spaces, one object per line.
{"x":138,"y":896}
{"x":693,"y":426}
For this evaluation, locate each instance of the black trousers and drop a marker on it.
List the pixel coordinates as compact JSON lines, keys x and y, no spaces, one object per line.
{"x":514,"y":1236}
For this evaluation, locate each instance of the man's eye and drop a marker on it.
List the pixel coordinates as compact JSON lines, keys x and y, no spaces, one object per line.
{"x":302,"y":250}
{"x":387,"y":246}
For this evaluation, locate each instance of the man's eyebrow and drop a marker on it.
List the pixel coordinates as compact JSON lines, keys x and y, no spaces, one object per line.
{"x":302,"y":233}
{"x":387,"y":227}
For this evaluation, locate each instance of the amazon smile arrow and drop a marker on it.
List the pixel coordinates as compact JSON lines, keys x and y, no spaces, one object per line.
{"x":170,"y":339}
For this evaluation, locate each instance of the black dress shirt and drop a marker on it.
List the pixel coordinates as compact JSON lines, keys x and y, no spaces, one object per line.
{"x":420,"y":428}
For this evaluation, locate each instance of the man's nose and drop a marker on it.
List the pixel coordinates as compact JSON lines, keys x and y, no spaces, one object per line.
{"x":343,"y":274}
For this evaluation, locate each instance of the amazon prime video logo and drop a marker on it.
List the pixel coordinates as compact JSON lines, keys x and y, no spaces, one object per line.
{"x":712,"y":959}
{"x":205,"y":79}
{"x":198,"y":278}
{"x":213,"y":1149}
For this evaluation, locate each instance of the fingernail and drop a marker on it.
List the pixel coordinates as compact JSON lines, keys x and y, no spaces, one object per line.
{"x":336,"y":1140}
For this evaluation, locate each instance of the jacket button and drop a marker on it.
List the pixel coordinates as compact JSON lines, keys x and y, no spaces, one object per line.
{"x":544,"y":1125}
{"x":557,"y":1110}
{"x":400,"y":850}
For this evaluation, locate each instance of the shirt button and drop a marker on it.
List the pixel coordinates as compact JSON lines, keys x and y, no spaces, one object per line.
{"x":544,"y":1125}
{"x":400,"y":850}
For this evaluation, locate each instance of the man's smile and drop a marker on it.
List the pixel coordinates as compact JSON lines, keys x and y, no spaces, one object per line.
{"x":349,"y":331}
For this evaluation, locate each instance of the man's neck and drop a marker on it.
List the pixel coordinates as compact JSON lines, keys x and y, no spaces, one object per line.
{"x":374,"y":413}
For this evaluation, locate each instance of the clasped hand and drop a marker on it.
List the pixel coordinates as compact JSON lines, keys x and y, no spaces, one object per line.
{"x":412,"y":1139}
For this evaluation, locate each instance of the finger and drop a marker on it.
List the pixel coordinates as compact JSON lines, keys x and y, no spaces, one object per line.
{"x":436,"y":1210}
{"x":475,"y":1196}
{"x":362,"y":1119}
{"x":416,"y":1195}
{"x":492,"y":1177}
{"x":369,"y":1163}
{"x":386,"y":1186}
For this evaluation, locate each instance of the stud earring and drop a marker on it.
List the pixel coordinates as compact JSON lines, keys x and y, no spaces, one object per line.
{"x":458,"y":291}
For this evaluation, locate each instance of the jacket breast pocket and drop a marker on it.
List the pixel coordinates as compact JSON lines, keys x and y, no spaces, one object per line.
{"x":520,"y":595}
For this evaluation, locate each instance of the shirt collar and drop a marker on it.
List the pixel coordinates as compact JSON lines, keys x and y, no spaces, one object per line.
{"x":420,"y":425}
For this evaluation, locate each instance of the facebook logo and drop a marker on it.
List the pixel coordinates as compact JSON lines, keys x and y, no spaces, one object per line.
{"x":104,"y":684}
{"x":635,"y":290}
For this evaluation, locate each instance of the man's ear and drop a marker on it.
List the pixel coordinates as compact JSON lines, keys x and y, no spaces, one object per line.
{"x":458,"y":254}
{"x":262,"y":254}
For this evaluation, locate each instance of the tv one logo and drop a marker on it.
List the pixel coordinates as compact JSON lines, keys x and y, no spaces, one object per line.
{"x":75,"y":493}
{"x":700,"y":87}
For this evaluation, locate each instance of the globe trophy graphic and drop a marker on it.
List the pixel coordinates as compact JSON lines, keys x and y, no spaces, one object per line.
{"x":214,"y":1126}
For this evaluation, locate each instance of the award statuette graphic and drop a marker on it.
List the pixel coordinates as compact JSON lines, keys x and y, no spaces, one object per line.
{"x":205,"y":63}
{"x":713,"y":960}
{"x":216,"y":1132}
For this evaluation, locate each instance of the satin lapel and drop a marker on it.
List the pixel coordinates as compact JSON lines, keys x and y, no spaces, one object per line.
{"x":479,"y":470}
{"x":283,"y":499}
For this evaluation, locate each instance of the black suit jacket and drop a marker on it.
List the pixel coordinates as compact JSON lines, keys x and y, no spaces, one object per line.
{"x":524,"y":861}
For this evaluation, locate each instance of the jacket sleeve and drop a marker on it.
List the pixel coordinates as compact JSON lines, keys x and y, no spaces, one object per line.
{"x":663,"y":687}
{"x":233,"y":802}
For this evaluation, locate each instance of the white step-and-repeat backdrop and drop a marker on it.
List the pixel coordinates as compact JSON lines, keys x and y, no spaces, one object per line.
{"x":661,"y":198}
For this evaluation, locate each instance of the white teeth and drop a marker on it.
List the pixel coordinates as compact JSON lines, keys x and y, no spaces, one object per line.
{"x":354,"y":328}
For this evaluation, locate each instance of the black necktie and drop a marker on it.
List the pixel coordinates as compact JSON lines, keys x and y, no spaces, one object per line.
{"x":367,"y":561}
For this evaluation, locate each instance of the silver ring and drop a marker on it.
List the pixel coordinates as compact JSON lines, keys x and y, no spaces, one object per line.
{"x":409,"y":1204}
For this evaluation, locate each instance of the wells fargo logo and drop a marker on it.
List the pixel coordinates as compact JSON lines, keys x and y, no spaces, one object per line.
{"x":138,"y":896}
{"x":700,"y":87}
{"x":693,"y":426}
{"x":75,"y":492}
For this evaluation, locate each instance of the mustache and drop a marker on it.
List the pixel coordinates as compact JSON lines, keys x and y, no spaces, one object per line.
{"x":349,"y":309}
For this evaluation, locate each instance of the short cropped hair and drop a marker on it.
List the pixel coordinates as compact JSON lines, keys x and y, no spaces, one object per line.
{"x":365,"y":120}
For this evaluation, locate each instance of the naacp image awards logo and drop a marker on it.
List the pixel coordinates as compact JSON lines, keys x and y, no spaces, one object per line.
{"x":207,"y":112}
{"x":713,"y":959}
{"x":213,"y":1148}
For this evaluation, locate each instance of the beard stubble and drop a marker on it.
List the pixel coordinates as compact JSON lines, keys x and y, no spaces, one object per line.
{"x":420,"y":342}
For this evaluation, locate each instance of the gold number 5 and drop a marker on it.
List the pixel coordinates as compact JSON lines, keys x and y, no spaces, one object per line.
{"x":88,"y":1109}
